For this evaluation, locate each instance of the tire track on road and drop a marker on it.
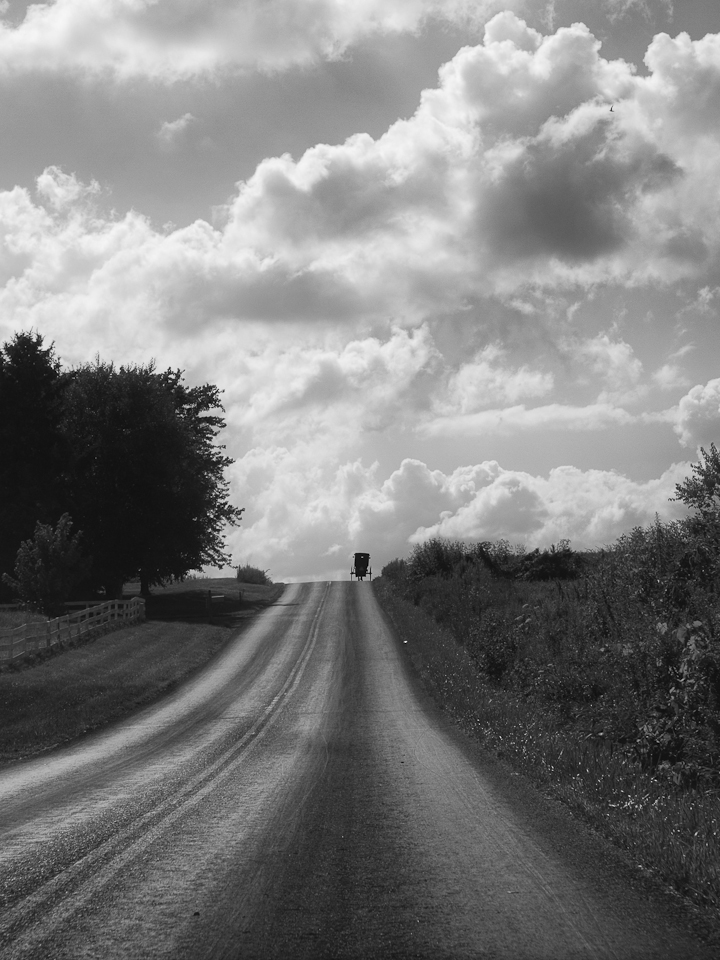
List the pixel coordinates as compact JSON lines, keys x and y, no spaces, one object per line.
{"x":58,"y":899}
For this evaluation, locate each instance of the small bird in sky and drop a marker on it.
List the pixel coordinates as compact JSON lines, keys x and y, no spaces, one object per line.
{"x":611,"y":107}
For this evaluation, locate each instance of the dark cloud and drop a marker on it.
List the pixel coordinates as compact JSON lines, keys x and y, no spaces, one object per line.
{"x":571,"y":199}
{"x":274,"y":293}
{"x":687,"y":245}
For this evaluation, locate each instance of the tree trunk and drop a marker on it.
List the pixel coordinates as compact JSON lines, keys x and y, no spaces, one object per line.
{"x":144,"y":585}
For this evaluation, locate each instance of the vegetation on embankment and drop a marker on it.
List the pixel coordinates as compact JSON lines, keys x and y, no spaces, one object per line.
{"x":51,"y":699}
{"x":248,"y":574}
{"x":601,"y":683}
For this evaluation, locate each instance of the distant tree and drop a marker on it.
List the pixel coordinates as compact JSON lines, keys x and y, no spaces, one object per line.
{"x":49,"y":565}
{"x":31,"y":453}
{"x":146,"y":482}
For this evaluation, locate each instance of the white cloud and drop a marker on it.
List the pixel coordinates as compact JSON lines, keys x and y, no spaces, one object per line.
{"x":670,"y":376}
{"x":171,"y":130}
{"x":591,"y":508}
{"x":288,"y":392}
{"x":614,"y":363}
{"x":170,"y":40}
{"x":62,"y":190}
{"x":352,"y":508}
{"x":511,"y":177}
{"x":551,"y":416}
{"x":487,"y":381}
{"x":697,"y":421}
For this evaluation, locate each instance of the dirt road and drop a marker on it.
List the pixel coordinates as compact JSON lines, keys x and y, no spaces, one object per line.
{"x":302,"y":798}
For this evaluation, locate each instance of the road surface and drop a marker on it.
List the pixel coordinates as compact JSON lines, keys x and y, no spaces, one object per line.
{"x":301,"y":797}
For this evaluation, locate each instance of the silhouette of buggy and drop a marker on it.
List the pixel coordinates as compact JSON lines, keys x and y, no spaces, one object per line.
{"x":361,"y":567}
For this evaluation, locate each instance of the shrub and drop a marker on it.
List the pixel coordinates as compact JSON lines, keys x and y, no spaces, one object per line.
{"x":396,"y":570}
{"x":436,"y":557}
{"x":557,"y":563}
{"x":49,"y":566}
{"x":248,"y":574}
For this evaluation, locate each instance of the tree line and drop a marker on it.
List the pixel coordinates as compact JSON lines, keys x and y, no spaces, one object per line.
{"x":107,"y":474}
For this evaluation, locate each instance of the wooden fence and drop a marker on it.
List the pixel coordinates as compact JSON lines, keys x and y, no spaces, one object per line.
{"x":96,"y":618}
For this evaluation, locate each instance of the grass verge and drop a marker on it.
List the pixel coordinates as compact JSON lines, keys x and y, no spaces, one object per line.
{"x":48,"y":701}
{"x":675,"y":835}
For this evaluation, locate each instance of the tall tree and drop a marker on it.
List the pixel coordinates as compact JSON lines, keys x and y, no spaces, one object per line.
{"x":147,"y":483}
{"x":31,"y":451}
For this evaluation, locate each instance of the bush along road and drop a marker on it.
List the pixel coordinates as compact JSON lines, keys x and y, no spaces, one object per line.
{"x":600,"y":683}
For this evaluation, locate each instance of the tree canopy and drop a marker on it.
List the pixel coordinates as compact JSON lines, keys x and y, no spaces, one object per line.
{"x":132,"y":457}
{"x":31,"y":454}
{"x":148,"y":486}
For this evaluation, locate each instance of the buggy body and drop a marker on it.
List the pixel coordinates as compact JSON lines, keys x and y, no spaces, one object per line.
{"x":361,"y":567}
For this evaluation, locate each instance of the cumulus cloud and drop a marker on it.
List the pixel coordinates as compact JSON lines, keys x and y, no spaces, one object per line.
{"x":512,"y":173}
{"x":590,"y":508}
{"x":353,"y":508}
{"x":170,"y":40}
{"x":614,"y":363}
{"x":300,"y":391}
{"x":488,"y":381}
{"x":62,"y":190}
{"x":697,"y":420}
{"x":511,"y":177}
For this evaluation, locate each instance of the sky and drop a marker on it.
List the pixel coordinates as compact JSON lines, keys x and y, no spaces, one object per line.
{"x":454,"y":263}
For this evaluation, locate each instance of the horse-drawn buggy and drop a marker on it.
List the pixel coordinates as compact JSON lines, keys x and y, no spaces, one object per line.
{"x":361,"y":567}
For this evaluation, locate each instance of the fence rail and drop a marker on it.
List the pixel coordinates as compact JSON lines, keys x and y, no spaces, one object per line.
{"x":98,"y":618}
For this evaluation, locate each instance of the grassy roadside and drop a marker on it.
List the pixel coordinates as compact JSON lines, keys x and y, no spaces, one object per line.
{"x":48,"y":701}
{"x":674,"y":835}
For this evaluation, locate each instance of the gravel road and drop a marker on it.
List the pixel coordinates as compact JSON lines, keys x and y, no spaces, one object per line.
{"x":301,"y":797}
